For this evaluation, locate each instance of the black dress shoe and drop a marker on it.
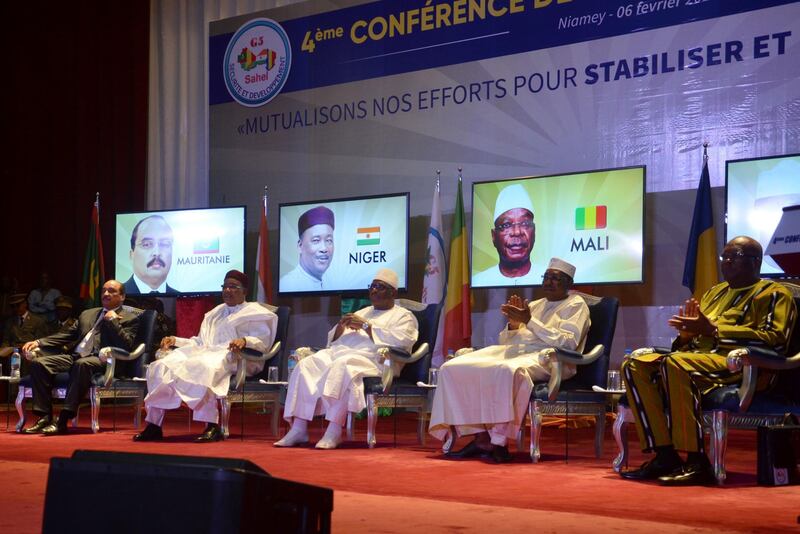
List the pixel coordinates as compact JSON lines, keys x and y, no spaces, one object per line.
{"x":38,"y":426}
{"x":500,"y":454}
{"x":211,"y":433}
{"x":470,"y":450}
{"x":150,"y":433}
{"x":653,"y":469}
{"x":692,"y":474}
{"x":59,"y":428}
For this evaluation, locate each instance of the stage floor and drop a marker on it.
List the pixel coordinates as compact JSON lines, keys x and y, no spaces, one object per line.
{"x":408,"y":487}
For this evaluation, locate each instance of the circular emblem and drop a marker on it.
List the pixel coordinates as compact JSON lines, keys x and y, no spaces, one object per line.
{"x":257,"y":62}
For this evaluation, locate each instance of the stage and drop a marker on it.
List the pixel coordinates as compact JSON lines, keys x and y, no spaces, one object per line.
{"x":408,"y":487}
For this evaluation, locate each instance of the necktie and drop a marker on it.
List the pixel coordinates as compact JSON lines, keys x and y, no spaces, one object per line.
{"x":87,"y":344}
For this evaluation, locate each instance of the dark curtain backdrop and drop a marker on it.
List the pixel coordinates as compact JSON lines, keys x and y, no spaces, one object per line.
{"x":75,"y":122}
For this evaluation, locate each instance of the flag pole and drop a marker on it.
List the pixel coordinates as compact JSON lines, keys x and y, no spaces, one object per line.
{"x":438,"y":180}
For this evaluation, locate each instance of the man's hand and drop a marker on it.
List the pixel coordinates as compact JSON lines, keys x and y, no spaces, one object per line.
{"x":167,"y":343}
{"x":28,"y":347}
{"x":517,"y":311}
{"x":690,"y":321}
{"x":110,"y":315}
{"x":237,"y":344}
{"x":356,"y":322}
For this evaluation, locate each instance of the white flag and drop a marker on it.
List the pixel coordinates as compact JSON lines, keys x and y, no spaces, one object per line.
{"x":435,"y":279}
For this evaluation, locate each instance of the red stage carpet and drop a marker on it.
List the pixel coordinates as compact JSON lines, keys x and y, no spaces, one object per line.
{"x":411,"y":488}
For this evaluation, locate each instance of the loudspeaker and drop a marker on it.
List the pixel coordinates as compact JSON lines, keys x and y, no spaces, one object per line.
{"x":104,"y":491}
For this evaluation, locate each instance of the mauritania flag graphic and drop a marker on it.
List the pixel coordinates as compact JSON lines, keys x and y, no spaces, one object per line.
{"x":207,"y":246}
{"x":590,"y":217}
{"x":370,"y":235}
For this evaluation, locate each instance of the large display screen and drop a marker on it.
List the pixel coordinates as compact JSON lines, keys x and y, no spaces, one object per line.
{"x":334,"y":246}
{"x":756,"y":191}
{"x":167,"y":253}
{"x":594,"y":220}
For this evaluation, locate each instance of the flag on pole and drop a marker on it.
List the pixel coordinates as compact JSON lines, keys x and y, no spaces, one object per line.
{"x":435,"y":278}
{"x":458,"y":309}
{"x":700,"y":269}
{"x":94,"y":271}
{"x":263,"y":289}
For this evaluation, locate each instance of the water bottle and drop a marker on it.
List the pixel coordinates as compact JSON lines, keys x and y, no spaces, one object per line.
{"x":292,"y":363}
{"x":15,"y":364}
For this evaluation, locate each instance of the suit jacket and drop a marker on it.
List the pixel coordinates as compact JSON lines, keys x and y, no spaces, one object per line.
{"x":132,"y":289}
{"x":116,"y":333}
{"x":32,"y":328}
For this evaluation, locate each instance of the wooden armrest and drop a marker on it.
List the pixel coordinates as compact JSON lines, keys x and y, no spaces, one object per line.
{"x":761,"y":357}
{"x":399,"y":355}
{"x":252,"y":355}
{"x":578,"y":358}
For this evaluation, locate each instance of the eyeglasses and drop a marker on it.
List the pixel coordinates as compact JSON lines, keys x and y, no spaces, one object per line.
{"x":738,"y":255}
{"x":147,"y":244}
{"x":522,"y":225}
{"x":232,"y":287}
{"x":551,"y":278}
{"x":377,"y":286}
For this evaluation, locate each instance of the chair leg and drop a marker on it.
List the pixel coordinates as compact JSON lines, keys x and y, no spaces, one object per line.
{"x":535,"y":413}
{"x":94,"y":401}
{"x":20,"y":404}
{"x":137,"y":413}
{"x":350,"y":426}
{"x":372,"y":420}
{"x":276,"y":408}
{"x":421,"y":430}
{"x":224,"y":415}
{"x":599,"y":432}
{"x":620,"y":428}
{"x":719,"y":442}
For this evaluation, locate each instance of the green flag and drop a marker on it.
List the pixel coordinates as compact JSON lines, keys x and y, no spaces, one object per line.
{"x":93,"y":269}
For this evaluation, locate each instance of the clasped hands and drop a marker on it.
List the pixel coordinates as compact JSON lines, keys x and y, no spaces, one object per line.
{"x":516,"y":311}
{"x":352,"y":321}
{"x":691,"y":322}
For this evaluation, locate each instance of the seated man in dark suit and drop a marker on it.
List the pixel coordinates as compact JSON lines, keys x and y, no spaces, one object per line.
{"x":21,"y":327}
{"x":109,"y":326}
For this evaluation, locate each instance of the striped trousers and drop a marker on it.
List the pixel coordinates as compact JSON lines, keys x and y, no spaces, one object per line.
{"x":665,"y":393}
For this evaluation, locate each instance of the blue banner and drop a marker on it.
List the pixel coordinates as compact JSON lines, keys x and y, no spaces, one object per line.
{"x":384,"y":38}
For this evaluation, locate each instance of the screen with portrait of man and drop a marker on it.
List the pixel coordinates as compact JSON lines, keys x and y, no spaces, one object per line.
{"x":337,"y":245}
{"x":166,"y":253}
{"x":593,"y":220}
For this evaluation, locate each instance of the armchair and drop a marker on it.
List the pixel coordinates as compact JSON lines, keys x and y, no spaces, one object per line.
{"x":117,"y":381}
{"x":736,"y":406}
{"x":394,"y":390}
{"x":244,"y":389}
{"x":575,"y":396}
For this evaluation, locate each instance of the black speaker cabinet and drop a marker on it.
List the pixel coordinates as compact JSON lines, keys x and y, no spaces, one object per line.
{"x":102,"y":491}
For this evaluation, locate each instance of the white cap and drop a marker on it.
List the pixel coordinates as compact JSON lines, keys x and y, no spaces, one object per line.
{"x":560,"y":265}
{"x":387,"y":276}
{"x":513,"y":196}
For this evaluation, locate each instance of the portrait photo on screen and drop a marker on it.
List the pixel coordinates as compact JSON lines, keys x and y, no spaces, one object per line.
{"x":168,"y":253}
{"x":338,"y":245}
{"x":756,"y":191}
{"x":594,"y":220}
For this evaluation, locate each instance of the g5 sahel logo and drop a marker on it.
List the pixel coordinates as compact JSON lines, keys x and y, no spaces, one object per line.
{"x":257,"y":62}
